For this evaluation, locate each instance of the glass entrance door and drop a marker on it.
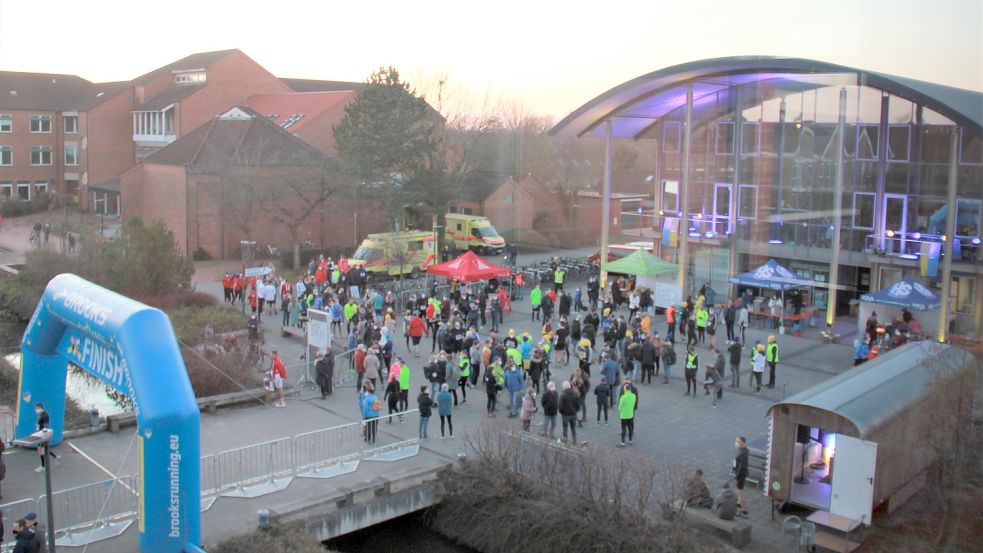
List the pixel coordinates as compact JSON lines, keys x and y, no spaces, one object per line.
{"x":721,"y":208}
{"x":895,"y":208}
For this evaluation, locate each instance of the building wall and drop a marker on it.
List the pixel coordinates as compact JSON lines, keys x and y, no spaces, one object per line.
{"x":230,"y":81}
{"x":510,"y":209}
{"x":320,"y":131}
{"x":22,"y":140}
{"x":109,"y":137}
{"x":153,"y":191}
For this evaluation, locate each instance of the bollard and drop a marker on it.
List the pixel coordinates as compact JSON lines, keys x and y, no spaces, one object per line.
{"x":462,"y":459}
{"x":264,"y":519}
{"x":93,"y":417}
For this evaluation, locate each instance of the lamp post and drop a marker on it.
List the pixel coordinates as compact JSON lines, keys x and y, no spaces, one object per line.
{"x":41,"y":439}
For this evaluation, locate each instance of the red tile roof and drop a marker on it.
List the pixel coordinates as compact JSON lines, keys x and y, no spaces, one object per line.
{"x":307,"y":104}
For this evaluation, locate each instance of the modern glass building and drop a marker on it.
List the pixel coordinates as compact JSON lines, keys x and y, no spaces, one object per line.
{"x":749,"y":152}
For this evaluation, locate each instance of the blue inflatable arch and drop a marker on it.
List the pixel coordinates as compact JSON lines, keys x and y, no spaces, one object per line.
{"x":132,"y":348}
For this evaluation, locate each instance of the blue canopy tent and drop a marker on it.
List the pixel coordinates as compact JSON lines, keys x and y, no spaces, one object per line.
{"x":907,"y":293}
{"x":773,"y":276}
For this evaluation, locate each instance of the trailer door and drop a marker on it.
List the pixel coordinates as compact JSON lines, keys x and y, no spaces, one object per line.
{"x":853,"y":479}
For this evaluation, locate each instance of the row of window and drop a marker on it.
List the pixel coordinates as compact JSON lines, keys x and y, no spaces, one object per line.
{"x":900,"y":215}
{"x":23,"y":189}
{"x":40,"y":123}
{"x":40,"y":155}
{"x":863,"y":142}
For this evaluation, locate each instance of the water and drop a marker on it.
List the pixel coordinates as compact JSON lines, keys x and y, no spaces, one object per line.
{"x":85,"y":390}
{"x":406,"y":533}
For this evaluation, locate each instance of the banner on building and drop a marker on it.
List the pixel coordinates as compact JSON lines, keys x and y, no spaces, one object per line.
{"x":670,"y":232}
{"x":929,"y":260}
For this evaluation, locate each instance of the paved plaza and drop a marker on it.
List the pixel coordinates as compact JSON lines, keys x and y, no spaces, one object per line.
{"x":682,"y":432}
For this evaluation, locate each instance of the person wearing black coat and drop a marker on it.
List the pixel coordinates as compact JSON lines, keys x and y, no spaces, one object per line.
{"x":741,"y":471}
{"x":25,"y":540}
{"x":565,"y":303}
{"x":569,"y":407}
{"x":550,"y":402}
{"x":649,"y":357}
{"x":603,"y":393}
{"x":324,"y":370}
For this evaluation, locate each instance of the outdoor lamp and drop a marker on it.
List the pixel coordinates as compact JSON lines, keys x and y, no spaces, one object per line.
{"x":890,"y":233}
{"x":976,"y":241}
{"x":661,"y":213}
{"x":38,"y":439}
{"x":917,"y":236}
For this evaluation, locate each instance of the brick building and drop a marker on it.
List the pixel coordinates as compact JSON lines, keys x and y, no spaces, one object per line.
{"x":241,"y":176}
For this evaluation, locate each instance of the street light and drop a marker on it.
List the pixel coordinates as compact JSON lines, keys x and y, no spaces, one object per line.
{"x":41,"y":439}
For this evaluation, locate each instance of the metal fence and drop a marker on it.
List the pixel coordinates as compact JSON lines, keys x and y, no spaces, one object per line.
{"x":344,"y":368}
{"x":93,"y":512}
{"x":209,"y":482}
{"x":395,"y":437}
{"x":255,"y":470}
{"x":328,"y":452}
{"x":8,"y":424}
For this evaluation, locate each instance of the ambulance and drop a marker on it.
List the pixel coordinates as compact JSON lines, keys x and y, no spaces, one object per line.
{"x":379,"y":254}
{"x":472,"y":232}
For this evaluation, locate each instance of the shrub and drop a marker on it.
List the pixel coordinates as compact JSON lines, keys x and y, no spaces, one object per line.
{"x":189,"y":322}
{"x":213,"y":372}
{"x":15,"y":207}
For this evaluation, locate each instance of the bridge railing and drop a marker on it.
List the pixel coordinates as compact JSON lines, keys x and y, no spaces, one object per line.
{"x":255,"y":470}
{"x":393,"y":437}
{"x":328,"y":452}
{"x":93,"y":512}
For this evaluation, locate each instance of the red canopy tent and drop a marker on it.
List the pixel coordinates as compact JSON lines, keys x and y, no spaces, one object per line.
{"x":469,"y":268}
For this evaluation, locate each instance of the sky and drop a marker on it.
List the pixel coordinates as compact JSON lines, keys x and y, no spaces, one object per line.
{"x":551,"y":56}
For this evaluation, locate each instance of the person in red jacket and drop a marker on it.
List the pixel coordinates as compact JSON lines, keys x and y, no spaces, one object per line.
{"x":417,"y":328}
{"x":227,"y":287}
{"x":252,"y":303}
{"x":359,"y":358}
{"x":278,"y":374}
{"x":236,"y":288}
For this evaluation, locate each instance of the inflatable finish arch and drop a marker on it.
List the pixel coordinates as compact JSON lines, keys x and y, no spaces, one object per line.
{"x":132,"y":348}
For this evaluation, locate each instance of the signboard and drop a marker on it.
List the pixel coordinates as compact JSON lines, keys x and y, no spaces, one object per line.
{"x":666,"y":294}
{"x":318,"y":329}
{"x":353,"y":292}
{"x":258,"y":271}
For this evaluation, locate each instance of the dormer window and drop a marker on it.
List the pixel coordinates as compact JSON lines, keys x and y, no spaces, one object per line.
{"x":190,"y":77}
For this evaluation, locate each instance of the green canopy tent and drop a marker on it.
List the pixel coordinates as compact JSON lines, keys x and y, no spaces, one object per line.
{"x":640,"y":263}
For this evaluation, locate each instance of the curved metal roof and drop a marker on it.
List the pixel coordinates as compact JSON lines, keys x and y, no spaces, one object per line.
{"x":634,"y":105}
{"x":873,"y":393}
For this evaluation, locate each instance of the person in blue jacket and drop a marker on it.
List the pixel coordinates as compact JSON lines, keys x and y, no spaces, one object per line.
{"x":445,"y":406}
{"x":371,"y":409}
{"x":515,"y":381}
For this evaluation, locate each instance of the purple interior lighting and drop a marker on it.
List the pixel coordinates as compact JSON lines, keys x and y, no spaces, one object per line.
{"x":976,"y":241}
{"x":775,"y":241}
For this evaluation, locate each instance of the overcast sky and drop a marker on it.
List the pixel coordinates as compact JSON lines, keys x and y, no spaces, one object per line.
{"x":551,"y":55}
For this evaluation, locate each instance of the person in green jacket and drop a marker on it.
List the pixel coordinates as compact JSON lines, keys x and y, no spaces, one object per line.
{"x":535,"y":299}
{"x":702,"y":316}
{"x":351,"y":308}
{"x":404,"y":387}
{"x":514,"y":353}
{"x":626,"y":408}
{"x":464,"y":367}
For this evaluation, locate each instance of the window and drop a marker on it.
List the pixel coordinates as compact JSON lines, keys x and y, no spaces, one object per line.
{"x":867,"y":139}
{"x":71,"y":124}
{"x":749,"y":139}
{"x":41,"y":155}
{"x":41,"y":187}
{"x":190,"y":78}
{"x":71,"y":153}
{"x":967,"y":217}
{"x":863,"y":210}
{"x":725,"y":138}
{"x":508,"y":199}
{"x":670,"y":196}
{"x":670,"y":136}
{"x":40,"y":123}
{"x":6,"y":122}
{"x":6,"y":190}
{"x":24,"y":190}
{"x":6,"y":155}
{"x":898,"y":138}
{"x":970,"y":151}
{"x":748,"y":200}
{"x":962,"y":293}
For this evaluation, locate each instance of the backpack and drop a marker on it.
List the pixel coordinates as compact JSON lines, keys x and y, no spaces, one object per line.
{"x":672,"y":357}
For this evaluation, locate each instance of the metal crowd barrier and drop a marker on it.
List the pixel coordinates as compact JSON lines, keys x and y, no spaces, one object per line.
{"x":328,"y":452}
{"x":11,"y":512}
{"x":344,"y":369}
{"x":394,"y":440}
{"x":8,"y":425}
{"x":255,"y":470}
{"x":93,"y":512}
{"x":209,"y":482}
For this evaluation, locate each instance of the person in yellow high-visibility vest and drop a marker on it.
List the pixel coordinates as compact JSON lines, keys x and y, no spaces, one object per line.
{"x":559,"y":275}
{"x":771,"y":357}
{"x":702,"y":316}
